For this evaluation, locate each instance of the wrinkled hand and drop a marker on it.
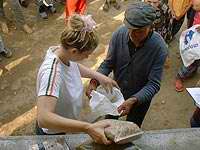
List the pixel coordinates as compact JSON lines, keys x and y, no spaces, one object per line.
{"x":125,"y":108}
{"x":107,"y":83}
{"x":198,"y":29}
{"x":96,"y":131}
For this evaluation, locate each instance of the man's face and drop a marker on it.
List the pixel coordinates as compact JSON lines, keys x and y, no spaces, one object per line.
{"x":154,"y":3}
{"x":139,"y":35}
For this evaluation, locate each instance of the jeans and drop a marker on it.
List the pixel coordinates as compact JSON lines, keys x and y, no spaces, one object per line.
{"x":137,"y":113}
{"x":186,"y":72}
{"x":2,"y":48}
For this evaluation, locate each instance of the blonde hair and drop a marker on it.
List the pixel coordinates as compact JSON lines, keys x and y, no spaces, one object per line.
{"x":75,"y":35}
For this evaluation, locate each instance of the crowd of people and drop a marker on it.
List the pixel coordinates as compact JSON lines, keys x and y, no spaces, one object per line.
{"x":137,"y":54}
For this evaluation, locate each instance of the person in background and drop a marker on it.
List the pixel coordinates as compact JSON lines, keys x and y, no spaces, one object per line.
{"x":3,"y":50}
{"x":18,"y":15}
{"x":44,"y":7}
{"x":75,"y":6}
{"x":164,"y":20}
{"x":136,"y":55}
{"x":24,"y":3}
{"x":59,"y":85}
{"x":186,"y":72}
{"x":165,"y":24}
{"x":111,"y":3}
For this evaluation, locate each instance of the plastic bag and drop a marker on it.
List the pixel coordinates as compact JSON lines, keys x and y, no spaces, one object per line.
{"x":103,"y":103}
{"x":116,"y":97}
{"x":190,"y":46}
{"x":179,"y":7}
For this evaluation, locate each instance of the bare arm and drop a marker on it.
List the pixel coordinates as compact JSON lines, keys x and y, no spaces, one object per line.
{"x":88,"y":73}
{"x":47,"y":118}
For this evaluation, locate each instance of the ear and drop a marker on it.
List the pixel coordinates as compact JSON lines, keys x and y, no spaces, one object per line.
{"x":74,"y":50}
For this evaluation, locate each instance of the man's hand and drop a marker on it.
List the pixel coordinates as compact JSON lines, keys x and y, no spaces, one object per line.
{"x":125,"y":108}
{"x":198,"y":29}
{"x":96,"y":131}
{"x":106,"y":82}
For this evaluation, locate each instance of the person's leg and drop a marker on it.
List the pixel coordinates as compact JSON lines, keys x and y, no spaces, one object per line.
{"x":51,"y":7}
{"x":70,"y":7}
{"x":115,"y":4}
{"x":106,"y":5}
{"x":17,"y":12}
{"x":3,"y":50}
{"x":2,"y":14}
{"x":138,"y":113}
{"x":24,"y":3}
{"x":81,"y":6}
{"x":42,"y":9}
{"x":195,"y":119}
{"x":3,"y":19}
{"x":184,"y":73}
{"x":19,"y":17}
{"x":194,"y":123}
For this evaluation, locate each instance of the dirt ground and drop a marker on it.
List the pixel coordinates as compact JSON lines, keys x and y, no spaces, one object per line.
{"x":169,"y":109}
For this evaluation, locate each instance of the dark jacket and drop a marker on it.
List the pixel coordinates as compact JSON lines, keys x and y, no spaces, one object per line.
{"x":140,"y":75}
{"x":190,"y":16}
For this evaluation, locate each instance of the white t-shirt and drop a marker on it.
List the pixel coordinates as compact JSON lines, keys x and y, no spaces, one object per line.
{"x":63,"y":82}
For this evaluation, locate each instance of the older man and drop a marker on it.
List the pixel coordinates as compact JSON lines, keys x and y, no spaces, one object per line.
{"x":136,"y":56}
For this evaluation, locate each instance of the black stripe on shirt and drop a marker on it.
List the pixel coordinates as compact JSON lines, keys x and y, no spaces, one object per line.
{"x":48,"y":86}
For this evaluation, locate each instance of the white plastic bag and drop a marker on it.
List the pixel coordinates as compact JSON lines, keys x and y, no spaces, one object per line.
{"x":190,"y":46}
{"x":103,"y":103}
{"x":116,"y":97}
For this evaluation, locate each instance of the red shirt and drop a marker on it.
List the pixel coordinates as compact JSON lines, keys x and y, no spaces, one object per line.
{"x":196,"y":18}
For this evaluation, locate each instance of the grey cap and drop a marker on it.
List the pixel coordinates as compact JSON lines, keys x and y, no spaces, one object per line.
{"x":139,"y":15}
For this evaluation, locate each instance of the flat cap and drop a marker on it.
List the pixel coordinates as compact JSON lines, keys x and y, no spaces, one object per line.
{"x":139,"y":15}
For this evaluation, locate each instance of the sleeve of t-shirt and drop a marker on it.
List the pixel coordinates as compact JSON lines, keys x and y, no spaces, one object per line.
{"x":49,"y":83}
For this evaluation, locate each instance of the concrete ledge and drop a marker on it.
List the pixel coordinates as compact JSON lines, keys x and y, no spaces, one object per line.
{"x":173,"y":139}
